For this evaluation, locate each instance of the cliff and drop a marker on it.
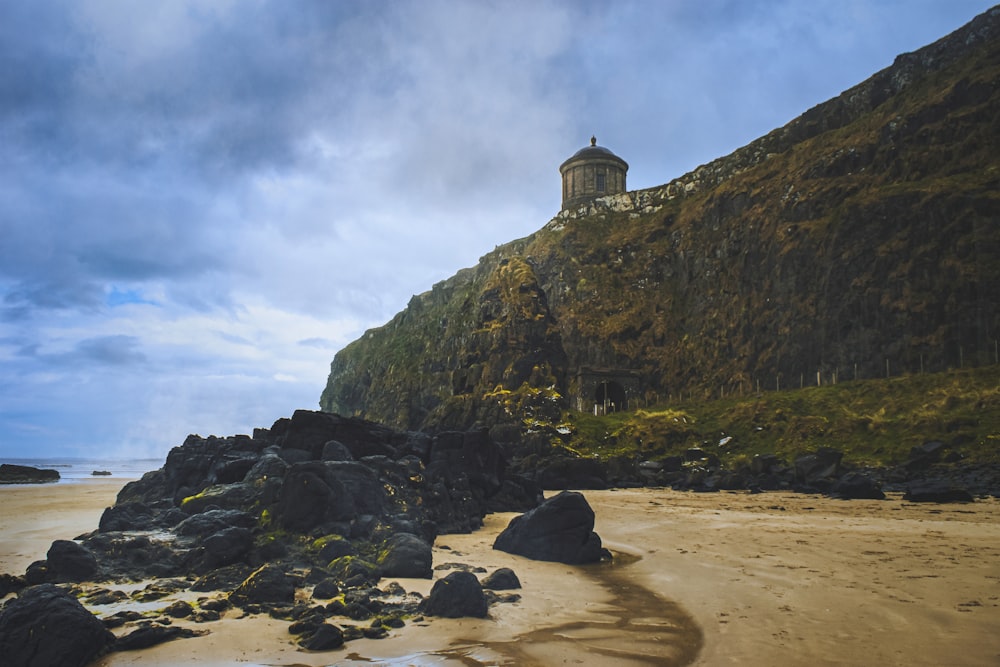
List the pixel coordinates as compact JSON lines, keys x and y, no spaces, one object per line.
{"x":859,"y":240}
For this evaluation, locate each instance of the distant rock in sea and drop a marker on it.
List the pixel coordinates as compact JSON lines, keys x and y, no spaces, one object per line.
{"x":101,"y":473}
{"x":15,"y":474}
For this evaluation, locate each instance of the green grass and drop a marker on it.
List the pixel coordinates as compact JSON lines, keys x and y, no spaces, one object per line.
{"x":874,"y":422}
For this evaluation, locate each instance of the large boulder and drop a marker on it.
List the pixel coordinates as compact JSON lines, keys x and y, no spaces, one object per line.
{"x":70,"y":561}
{"x":561,"y":529}
{"x":46,"y":626}
{"x":406,"y":555}
{"x":458,"y":594}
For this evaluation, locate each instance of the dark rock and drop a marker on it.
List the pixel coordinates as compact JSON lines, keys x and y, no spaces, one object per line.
{"x":502,"y":579}
{"x":70,"y":561}
{"x":268,"y":584}
{"x":561,"y":529}
{"x":238,"y":496}
{"x":232,"y":467}
{"x":292,"y":456}
{"x":15,"y":474}
{"x":336,"y":451}
{"x":101,"y":473}
{"x":318,"y":493}
{"x":823,"y":464}
{"x":120,"y":618}
{"x":127,"y":516}
{"x":10,"y":583}
{"x":334,"y":547}
{"x":106,"y":596}
{"x":326,"y":638}
{"x":305,"y":626}
{"x":457,"y":595}
{"x":213,"y":604}
{"x":179,"y":609}
{"x":354,"y":571}
{"x":326,"y":590}
{"x":159,"y":589}
{"x":937,"y":492}
{"x":37,"y":573}
{"x":763,"y":464}
{"x":227,"y":547}
{"x":858,"y":486}
{"x":924,"y":455}
{"x":151,"y":635}
{"x":406,"y":555}
{"x":268,"y":466}
{"x":46,"y":626}
{"x":212,"y":521}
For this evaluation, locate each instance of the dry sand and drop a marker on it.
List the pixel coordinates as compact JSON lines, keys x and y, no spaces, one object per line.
{"x":729,"y":578}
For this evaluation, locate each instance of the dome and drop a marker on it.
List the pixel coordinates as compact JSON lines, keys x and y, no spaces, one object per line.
{"x":593,"y":171}
{"x":591,"y":152}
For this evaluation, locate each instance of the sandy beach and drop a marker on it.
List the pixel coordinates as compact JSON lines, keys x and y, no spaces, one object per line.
{"x":717,"y":579}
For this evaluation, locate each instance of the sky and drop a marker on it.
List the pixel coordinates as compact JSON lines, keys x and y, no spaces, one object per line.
{"x":201,"y":202}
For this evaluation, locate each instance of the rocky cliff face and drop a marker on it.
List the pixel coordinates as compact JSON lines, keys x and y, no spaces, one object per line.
{"x":860,"y":238}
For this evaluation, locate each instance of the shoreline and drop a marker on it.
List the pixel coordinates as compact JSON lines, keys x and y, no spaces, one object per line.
{"x":34,"y":515}
{"x":773,"y":578}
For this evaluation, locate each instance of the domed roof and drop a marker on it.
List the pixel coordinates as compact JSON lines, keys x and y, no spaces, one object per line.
{"x":592,"y":152}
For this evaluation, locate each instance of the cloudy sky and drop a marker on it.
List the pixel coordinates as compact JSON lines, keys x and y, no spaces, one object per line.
{"x":201,"y":202}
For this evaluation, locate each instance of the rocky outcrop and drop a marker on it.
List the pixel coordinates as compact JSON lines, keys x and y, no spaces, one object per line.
{"x":17,"y":474}
{"x":46,"y":626}
{"x":317,"y":500}
{"x":561,"y":529}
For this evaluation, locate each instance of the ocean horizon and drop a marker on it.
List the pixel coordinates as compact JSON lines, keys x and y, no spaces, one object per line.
{"x":73,"y":469}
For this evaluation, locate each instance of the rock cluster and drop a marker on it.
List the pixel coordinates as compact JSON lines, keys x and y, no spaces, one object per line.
{"x":317,"y":501}
{"x":932,"y":473}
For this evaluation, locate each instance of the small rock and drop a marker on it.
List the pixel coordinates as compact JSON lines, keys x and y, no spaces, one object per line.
{"x":502,"y":579}
{"x":326,"y":638}
{"x":458,"y":594}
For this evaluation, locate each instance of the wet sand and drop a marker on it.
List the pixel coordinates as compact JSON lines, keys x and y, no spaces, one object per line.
{"x":720,"y":579}
{"x":33,"y":515}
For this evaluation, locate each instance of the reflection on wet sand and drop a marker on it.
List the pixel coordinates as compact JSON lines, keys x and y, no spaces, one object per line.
{"x":636,"y":627}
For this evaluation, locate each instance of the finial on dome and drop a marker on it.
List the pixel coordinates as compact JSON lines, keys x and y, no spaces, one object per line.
{"x":593,"y":141}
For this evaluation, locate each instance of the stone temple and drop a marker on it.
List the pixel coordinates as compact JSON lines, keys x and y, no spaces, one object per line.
{"x":593,"y":171}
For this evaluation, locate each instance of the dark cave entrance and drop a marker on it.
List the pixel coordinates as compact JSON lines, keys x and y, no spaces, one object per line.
{"x":610,"y":397}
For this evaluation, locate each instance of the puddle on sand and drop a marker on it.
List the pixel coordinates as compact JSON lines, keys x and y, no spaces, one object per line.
{"x":638,"y":628}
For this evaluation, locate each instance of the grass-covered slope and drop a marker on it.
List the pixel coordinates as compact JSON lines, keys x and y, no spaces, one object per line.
{"x":874,"y":422}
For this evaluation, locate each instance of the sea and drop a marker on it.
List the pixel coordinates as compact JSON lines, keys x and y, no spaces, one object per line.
{"x":76,"y":470}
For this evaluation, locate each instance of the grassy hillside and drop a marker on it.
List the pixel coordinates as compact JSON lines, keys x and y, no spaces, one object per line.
{"x":861,"y":236}
{"x":875,"y":422}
